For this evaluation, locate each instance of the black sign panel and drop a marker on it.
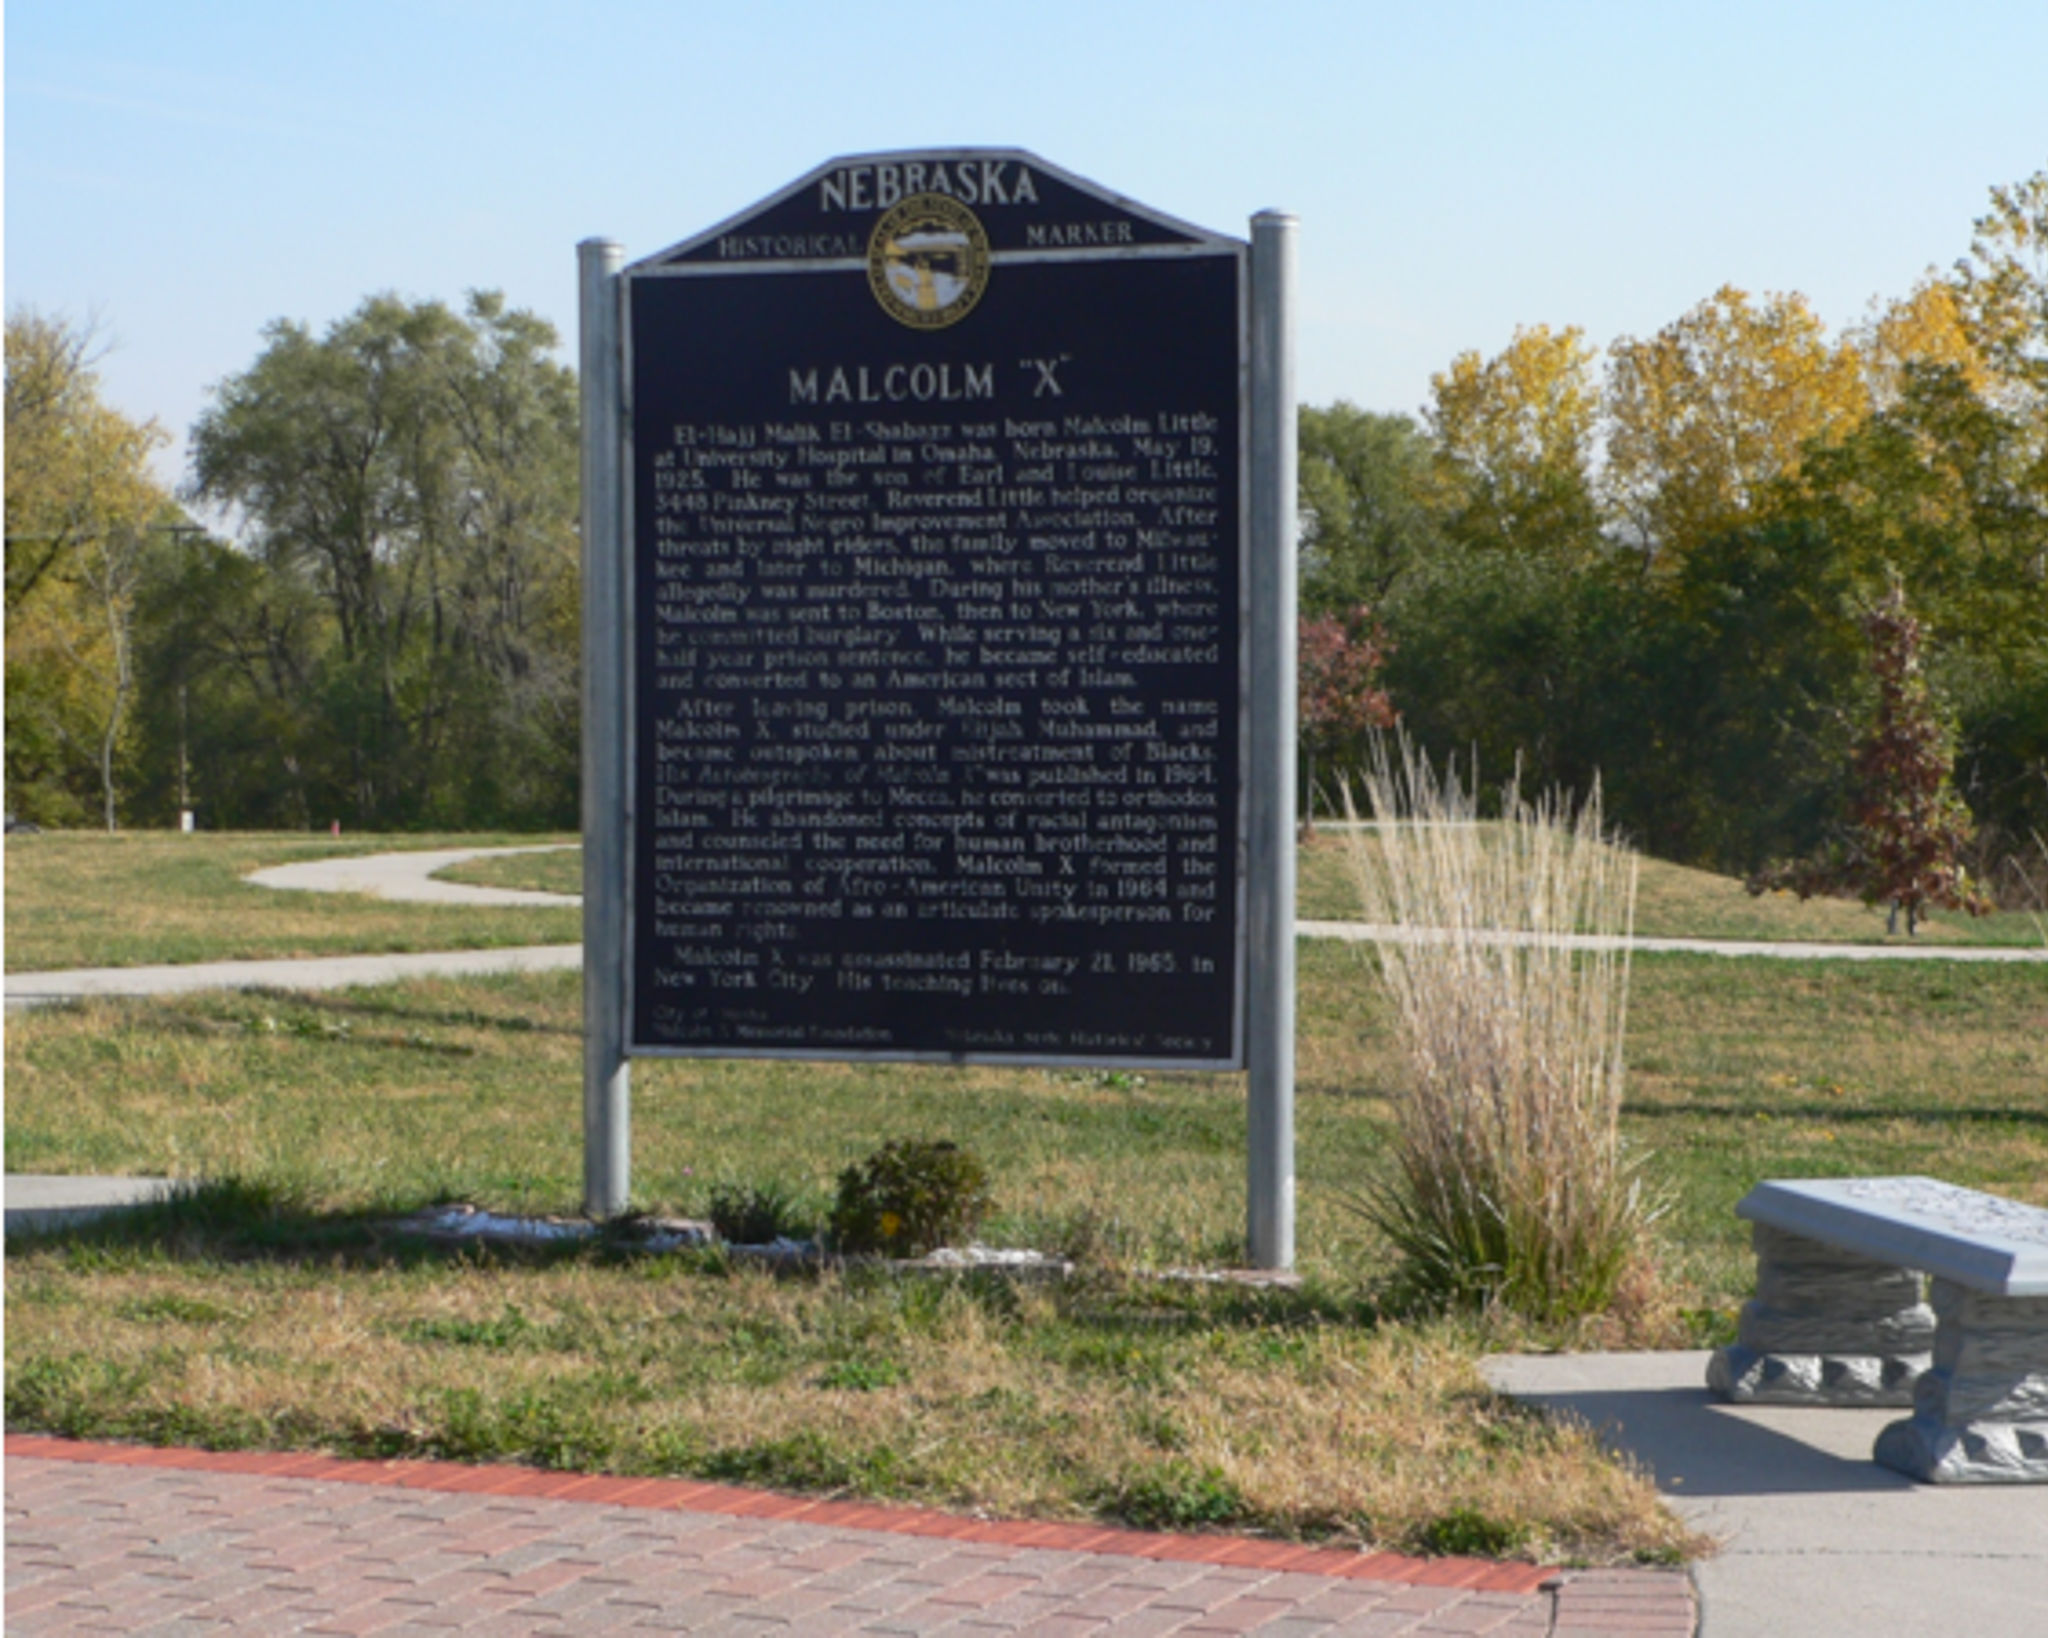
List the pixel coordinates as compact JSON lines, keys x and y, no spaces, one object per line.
{"x":936,"y":518}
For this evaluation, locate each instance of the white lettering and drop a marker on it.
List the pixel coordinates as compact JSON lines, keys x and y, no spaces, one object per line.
{"x":894,"y":384}
{"x":973,"y":182}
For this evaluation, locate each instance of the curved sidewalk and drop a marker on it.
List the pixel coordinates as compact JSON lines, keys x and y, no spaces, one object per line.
{"x":409,"y":877}
{"x":310,"y":973}
{"x":112,"y":1538}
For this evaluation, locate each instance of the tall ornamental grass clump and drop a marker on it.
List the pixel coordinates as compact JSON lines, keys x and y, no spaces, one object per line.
{"x":1509,"y":1182}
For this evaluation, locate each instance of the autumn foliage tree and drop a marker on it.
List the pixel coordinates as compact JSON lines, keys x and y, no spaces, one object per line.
{"x":1913,"y":825}
{"x":1652,"y":563}
{"x":1339,"y":662}
{"x":1910,"y":826}
{"x":1515,"y":435}
{"x":2002,"y":287}
{"x":1703,"y":416}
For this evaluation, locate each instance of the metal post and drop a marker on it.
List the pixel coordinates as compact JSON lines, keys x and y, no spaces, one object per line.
{"x":1270,"y":1192}
{"x":607,"y":1082}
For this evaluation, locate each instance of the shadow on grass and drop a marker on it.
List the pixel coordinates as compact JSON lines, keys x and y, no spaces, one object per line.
{"x":304,"y":1012}
{"x":235,"y":1220}
{"x":338,"y":1004}
{"x":1837,"y":1114}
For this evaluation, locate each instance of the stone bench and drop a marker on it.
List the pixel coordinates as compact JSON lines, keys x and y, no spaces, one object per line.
{"x":1840,"y":1318}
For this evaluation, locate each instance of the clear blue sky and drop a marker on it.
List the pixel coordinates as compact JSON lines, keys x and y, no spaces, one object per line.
{"x":190,"y":171}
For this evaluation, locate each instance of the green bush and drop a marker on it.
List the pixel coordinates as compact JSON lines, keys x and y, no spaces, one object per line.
{"x":1175,"y":1495}
{"x":756,"y":1215}
{"x":1464,"y":1532}
{"x":910,"y":1197}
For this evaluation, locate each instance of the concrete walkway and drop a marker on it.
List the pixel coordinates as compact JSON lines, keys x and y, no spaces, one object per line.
{"x":1355,"y":932}
{"x":119,"y":1539}
{"x":309,"y":973}
{"x":1817,"y":1540}
{"x":409,"y":877}
{"x":38,"y":1204}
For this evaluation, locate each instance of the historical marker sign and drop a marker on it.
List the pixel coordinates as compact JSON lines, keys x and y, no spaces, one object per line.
{"x":935,"y":497}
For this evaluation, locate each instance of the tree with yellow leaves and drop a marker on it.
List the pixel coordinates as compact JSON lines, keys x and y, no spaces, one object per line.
{"x":1924,"y":329}
{"x":81,"y":511}
{"x":1514,"y":444}
{"x":1705,"y":415}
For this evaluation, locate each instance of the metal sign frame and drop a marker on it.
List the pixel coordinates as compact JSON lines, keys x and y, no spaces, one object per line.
{"x":758,"y":240}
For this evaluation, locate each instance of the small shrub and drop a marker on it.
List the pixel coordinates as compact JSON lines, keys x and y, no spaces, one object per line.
{"x":1464,"y":1532}
{"x":1175,"y":1495}
{"x":1091,"y":1237}
{"x":757,"y":1215}
{"x":910,"y":1197}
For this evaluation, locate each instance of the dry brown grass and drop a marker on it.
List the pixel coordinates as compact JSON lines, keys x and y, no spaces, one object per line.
{"x":1510,"y":1180}
{"x":1054,"y":1404}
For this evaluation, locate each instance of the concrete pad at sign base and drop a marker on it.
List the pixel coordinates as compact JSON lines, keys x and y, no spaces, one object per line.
{"x":38,"y":1204}
{"x":1817,"y":1540}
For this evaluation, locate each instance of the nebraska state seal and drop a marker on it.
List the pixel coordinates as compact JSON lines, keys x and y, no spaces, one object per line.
{"x":928,"y":261}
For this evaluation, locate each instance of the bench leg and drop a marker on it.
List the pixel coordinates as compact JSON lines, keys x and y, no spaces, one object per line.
{"x":1980,"y":1416}
{"x":1827,"y":1328}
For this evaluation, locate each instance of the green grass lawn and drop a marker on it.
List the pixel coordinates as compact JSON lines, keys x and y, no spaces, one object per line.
{"x":279,"y":1309}
{"x":1674,"y":901}
{"x":78,"y":899}
{"x":534,"y":872}
{"x":287,"y":1315}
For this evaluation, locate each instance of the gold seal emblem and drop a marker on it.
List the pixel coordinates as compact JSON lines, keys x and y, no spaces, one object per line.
{"x":928,"y":261}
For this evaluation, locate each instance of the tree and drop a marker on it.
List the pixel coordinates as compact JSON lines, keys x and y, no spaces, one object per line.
{"x":1944,"y":491}
{"x":1910,"y":826}
{"x":1924,"y":329}
{"x":1914,"y":827}
{"x":1514,"y":443}
{"x":414,"y":469}
{"x":226,"y":716}
{"x":83,"y":512}
{"x":2003,"y":285}
{"x":1708,"y":412}
{"x":1339,"y":663}
{"x":1365,"y":513}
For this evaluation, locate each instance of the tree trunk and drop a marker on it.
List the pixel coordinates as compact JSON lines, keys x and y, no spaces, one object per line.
{"x":113,"y":595}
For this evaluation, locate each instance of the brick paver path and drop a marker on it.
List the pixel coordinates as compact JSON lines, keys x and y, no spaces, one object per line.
{"x":116,"y":1539}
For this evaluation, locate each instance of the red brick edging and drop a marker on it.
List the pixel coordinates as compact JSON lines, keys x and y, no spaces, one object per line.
{"x":683,"y":1495}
